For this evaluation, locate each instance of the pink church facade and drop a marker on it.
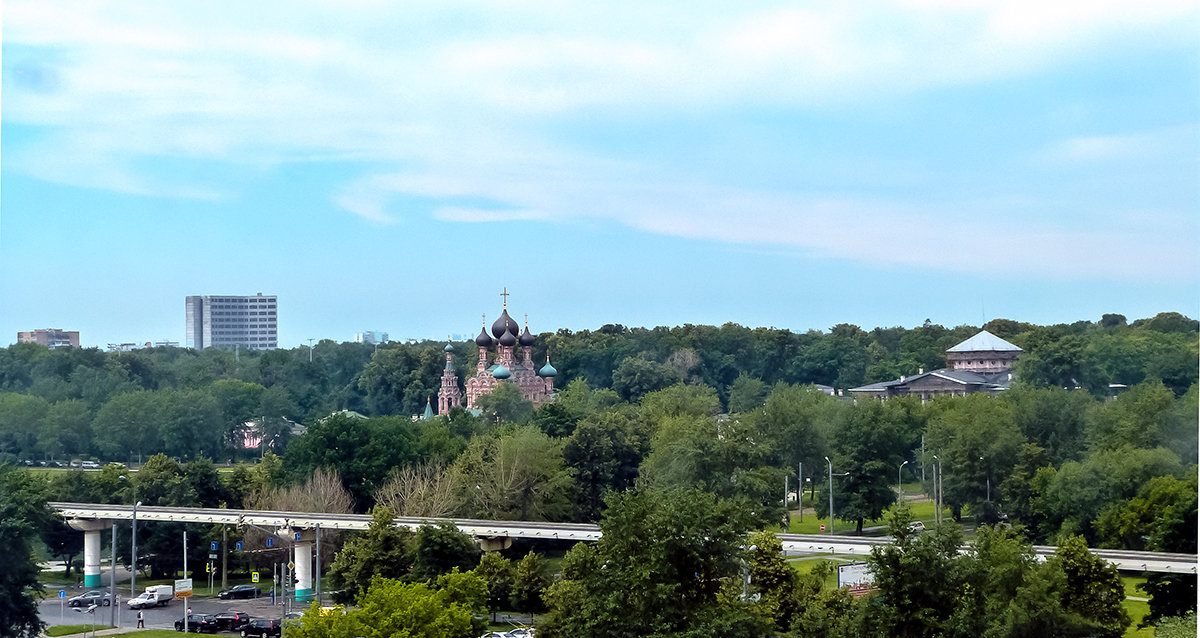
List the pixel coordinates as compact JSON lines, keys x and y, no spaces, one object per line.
{"x":512,"y":363}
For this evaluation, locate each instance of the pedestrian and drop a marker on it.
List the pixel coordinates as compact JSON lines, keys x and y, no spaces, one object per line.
{"x":189,"y":611}
{"x":141,"y":620}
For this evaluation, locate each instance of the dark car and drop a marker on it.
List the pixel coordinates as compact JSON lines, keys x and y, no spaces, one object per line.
{"x":231,"y":619}
{"x":199,"y":623}
{"x":94,"y":597}
{"x":239,"y":591}
{"x":262,"y":627}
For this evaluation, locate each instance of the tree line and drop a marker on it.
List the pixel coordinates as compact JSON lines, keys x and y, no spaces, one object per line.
{"x":190,"y":404}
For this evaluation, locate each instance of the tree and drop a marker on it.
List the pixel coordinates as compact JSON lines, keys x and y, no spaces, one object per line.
{"x":869,"y":445}
{"x":746,"y":394}
{"x":440,"y":548}
{"x":424,"y":490}
{"x":499,"y":574}
{"x":604,"y":453}
{"x":977,"y":441}
{"x":657,"y":569}
{"x":529,"y":584}
{"x":514,"y":474}
{"x":383,"y":550}
{"x":389,"y":607}
{"x":23,"y":513}
{"x":639,"y":376}
{"x":362,"y":451}
{"x":1093,"y":587}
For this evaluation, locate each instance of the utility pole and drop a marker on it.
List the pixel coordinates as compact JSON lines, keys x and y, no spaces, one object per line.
{"x":224,"y":557}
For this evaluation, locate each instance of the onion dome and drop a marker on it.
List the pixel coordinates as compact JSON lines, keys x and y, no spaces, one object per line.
{"x":526,"y":338}
{"x":448,"y":348}
{"x":505,"y":322}
{"x":501,"y":372}
{"x":484,"y":340}
{"x":547,"y":370}
{"x":508,"y":338}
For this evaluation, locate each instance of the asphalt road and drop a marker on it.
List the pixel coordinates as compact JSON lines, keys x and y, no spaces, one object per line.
{"x":52,"y":612}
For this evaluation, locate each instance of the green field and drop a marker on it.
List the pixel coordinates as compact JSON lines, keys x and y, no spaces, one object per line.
{"x":67,"y":630}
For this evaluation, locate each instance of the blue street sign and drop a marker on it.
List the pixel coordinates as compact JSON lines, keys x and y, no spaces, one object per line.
{"x":297,"y":535}
{"x":212,"y":547}
{"x":270,"y":542}
{"x":62,"y":593}
{"x":238,"y":546}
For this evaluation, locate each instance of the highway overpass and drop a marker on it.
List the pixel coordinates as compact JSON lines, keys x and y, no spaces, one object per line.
{"x":299,"y":526}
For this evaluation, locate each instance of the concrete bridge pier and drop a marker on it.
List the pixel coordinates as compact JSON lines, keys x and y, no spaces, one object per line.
{"x":302,"y":559}
{"x":91,"y":528}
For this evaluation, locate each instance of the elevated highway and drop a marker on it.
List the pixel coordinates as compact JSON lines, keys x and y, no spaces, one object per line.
{"x":296,"y":522}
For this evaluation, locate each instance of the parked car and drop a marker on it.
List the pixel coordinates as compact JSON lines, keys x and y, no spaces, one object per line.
{"x":90,"y":465}
{"x":229,"y":620}
{"x":95,"y":597}
{"x":262,"y":627}
{"x":239,"y":591}
{"x":916,"y":526}
{"x":199,"y":623}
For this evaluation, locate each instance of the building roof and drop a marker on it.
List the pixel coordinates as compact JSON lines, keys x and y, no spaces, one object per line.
{"x":984,"y":342}
{"x":996,"y":381}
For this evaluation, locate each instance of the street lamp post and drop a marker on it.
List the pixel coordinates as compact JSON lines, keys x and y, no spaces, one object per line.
{"x":899,"y":481}
{"x":988,"y":478}
{"x":937,"y":489}
{"x":830,"y":495}
{"x":133,"y":559}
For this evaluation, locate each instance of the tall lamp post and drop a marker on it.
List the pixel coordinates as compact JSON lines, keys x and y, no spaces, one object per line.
{"x":830,"y":495}
{"x":133,"y":558}
{"x":900,"y":481}
{"x":937,"y":489}
{"x":988,"y":478}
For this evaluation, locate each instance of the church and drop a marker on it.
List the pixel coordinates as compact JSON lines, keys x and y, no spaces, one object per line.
{"x":510,"y":365}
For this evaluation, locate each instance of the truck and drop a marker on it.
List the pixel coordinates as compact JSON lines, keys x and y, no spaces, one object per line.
{"x":154,"y":596}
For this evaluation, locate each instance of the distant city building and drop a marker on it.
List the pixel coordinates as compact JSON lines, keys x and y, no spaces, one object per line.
{"x":51,"y":338}
{"x":536,"y":384}
{"x":982,"y":363}
{"x":127,"y":346}
{"x":225,"y":321}
{"x":373,"y":337}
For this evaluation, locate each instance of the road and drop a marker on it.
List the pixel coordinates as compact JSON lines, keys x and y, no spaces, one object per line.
{"x":52,"y":612}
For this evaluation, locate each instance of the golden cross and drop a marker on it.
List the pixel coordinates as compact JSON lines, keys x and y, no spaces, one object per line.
{"x":505,"y":295}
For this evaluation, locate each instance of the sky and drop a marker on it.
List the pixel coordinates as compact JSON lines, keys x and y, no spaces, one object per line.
{"x":395,"y":166}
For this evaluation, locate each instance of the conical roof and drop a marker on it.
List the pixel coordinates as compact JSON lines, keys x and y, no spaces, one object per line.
{"x":984,"y":342}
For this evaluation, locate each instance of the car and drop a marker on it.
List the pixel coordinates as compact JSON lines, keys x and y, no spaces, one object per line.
{"x":262,"y":627}
{"x":229,"y":620}
{"x":144,"y":599}
{"x":239,"y":591}
{"x":94,"y":597}
{"x":199,"y":623}
{"x":522,"y":632}
{"x":90,"y":465}
{"x":916,"y":526}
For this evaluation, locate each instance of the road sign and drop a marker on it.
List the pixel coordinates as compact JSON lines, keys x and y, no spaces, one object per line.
{"x":212,"y":547}
{"x":254,"y":577}
{"x":291,"y":565}
{"x":212,"y":555}
{"x":238,"y":546}
{"x":297,"y":535}
{"x":208,"y":567}
{"x":822,"y":528}
{"x":183,"y":588}
{"x":62,"y":593}
{"x":270,"y":542}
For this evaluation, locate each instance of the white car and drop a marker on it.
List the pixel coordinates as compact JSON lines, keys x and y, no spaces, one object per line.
{"x":142,"y":600}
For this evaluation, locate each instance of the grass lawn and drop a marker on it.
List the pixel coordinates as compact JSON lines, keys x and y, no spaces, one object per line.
{"x":150,"y":633}
{"x":1137,"y":609}
{"x":921,"y":511}
{"x":66,"y":630}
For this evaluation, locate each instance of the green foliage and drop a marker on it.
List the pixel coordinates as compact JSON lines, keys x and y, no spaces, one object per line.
{"x":976,"y":439}
{"x":657,"y":569}
{"x":383,"y":550}
{"x":390,"y":608}
{"x":746,"y":393}
{"x":870,"y":445}
{"x":1171,"y":595}
{"x":636,"y":377}
{"x":1177,"y":627}
{"x":499,"y":575}
{"x":529,"y":584}
{"x":362,"y":451}
{"x":441,"y":548}
{"x":1162,"y":517}
{"x":23,"y":514}
{"x":603,"y":452}
{"x":514,"y":474}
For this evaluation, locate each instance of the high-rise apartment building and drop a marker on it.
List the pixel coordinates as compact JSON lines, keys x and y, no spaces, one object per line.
{"x":225,"y":321}
{"x":50,"y":337}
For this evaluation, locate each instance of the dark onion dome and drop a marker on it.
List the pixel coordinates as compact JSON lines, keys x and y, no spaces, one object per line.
{"x":448,"y":348}
{"x":484,"y":340}
{"x":526,"y":338}
{"x":501,"y":372}
{"x":547,"y":370}
{"x":508,"y":338}
{"x":505,"y":322}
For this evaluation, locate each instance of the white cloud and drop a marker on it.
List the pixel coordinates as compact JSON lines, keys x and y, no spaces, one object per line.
{"x":449,"y":99}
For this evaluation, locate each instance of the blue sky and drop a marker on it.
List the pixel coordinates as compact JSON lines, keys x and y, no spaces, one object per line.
{"x":393,"y":166}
